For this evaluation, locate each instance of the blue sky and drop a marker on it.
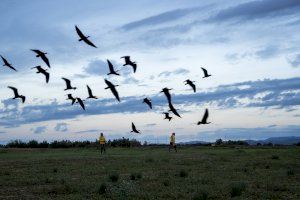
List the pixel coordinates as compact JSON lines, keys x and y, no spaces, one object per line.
{"x":250,"y":47}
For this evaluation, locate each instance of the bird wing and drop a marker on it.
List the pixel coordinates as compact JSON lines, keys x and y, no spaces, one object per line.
{"x":45,"y":59}
{"x":194,"y":87}
{"x":15,"y":90}
{"x":80,"y":34}
{"x":89,"y":91}
{"x":89,"y":42}
{"x":204,"y":71}
{"x":9,"y":65}
{"x":110,"y":65}
{"x":23,"y":99}
{"x":4,"y":60}
{"x":134,"y":66}
{"x":173,"y":110}
{"x":81,"y":103}
{"x":205,"y":116}
{"x":68,"y":82}
{"x":36,"y":51}
{"x":47,"y":75}
{"x":133,"y":126}
{"x":115,"y":93}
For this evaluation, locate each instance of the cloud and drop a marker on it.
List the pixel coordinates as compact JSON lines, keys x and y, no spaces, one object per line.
{"x":267,"y":52}
{"x":130,"y":80}
{"x":180,"y":71}
{"x":276,"y":93}
{"x":257,"y":133}
{"x":39,"y":129}
{"x":151,"y":125}
{"x":256,"y":9}
{"x":97,"y":68}
{"x":61,"y":127}
{"x":88,"y":131}
{"x":164,"y":17}
{"x":294,"y":60}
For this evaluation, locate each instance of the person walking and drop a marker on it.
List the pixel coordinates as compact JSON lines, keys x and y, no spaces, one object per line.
{"x":102,"y":143}
{"x":172,"y":142}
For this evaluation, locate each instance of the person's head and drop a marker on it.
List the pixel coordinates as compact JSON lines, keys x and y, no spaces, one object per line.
{"x":101,"y":134}
{"x":173,"y":133}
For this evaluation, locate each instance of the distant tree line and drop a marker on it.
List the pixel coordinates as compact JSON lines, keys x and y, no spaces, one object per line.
{"x":123,"y":142}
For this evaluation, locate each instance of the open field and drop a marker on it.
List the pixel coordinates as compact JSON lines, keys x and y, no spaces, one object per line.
{"x":150,"y":173}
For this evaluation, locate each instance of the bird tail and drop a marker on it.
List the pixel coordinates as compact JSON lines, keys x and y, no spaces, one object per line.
{"x":80,"y":40}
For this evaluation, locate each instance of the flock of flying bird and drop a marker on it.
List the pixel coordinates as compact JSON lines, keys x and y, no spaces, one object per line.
{"x":109,"y":84}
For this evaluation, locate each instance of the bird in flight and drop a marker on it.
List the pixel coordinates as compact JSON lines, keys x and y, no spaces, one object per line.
{"x":173,"y":110}
{"x":83,"y":37}
{"x":134,"y":128}
{"x":205,"y":73}
{"x":70,"y":97}
{"x":15,"y":90}
{"x":6,"y":63}
{"x":43,"y":71}
{"x":68,"y":84}
{"x":112,"y":88}
{"x":42,"y":55}
{"x":80,"y":101}
{"x":167,"y":93}
{"x":111,"y":69}
{"x":204,"y":119}
{"x":91,"y":96}
{"x":129,"y":62}
{"x":167,"y":116}
{"x":148,"y":102}
{"x":191,"y":83}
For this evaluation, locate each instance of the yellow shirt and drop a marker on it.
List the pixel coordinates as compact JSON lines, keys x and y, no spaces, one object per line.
{"x":172,"y":138}
{"x":102,"y":140}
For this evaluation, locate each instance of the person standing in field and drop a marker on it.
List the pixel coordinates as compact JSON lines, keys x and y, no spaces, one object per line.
{"x":102,"y":143}
{"x":172,"y":142}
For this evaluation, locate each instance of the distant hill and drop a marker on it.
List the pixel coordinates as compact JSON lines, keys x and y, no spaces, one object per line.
{"x":193,"y":142}
{"x":276,"y":140}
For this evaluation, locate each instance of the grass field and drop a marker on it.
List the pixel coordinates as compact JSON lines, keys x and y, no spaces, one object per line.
{"x":150,"y":173}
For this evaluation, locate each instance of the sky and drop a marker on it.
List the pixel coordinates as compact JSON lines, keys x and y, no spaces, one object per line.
{"x":251,"y":48}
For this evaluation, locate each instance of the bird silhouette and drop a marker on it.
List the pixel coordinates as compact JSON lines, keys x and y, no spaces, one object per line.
{"x":6,"y":63}
{"x":70,"y":97}
{"x":91,"y":96}
{"x":173,"y":110}
{"x":83,"y":37}
{"x":43,"y":71}
{"x":111,"y":69}
{"x":204,"y":118}
{"x":129,"y":62}
{"x":189,"y":82}
{"x":68,"y":84}
{"x":80,"y":101}
{"x":167,"y":93}
{"x":148,"y":102}
{"x":205,"y":73}
{"x":42,"y":55}
{"x":167,"y":116}
{"x":15,"y":90}
{"x":112,"y":88}
{"x":134,"y":128}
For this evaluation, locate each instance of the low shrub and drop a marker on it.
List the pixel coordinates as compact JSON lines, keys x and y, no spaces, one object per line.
{"x":183,"y":173}
{"x":114,"y":177}
{"x":237,"y":189}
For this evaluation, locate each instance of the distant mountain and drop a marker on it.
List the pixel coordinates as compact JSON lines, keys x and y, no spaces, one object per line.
{"x":276,"y":140}
{"x":193,"y":142}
